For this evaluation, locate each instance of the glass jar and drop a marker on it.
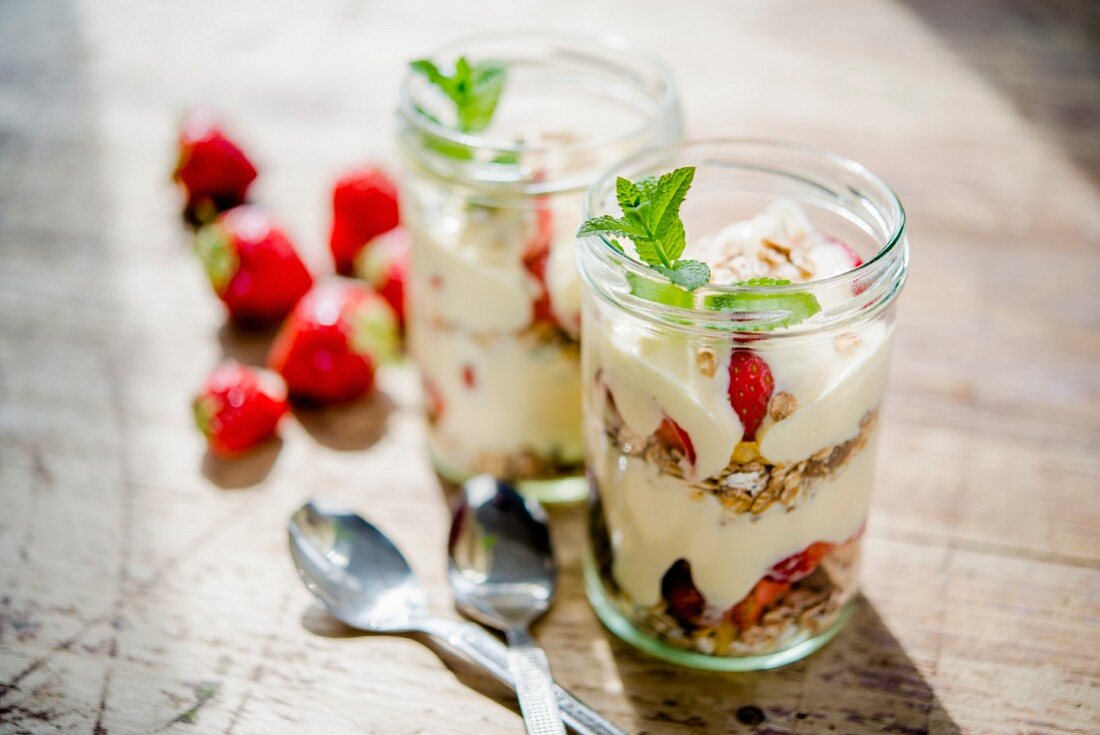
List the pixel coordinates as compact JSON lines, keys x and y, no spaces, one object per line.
{"x":494,"y":294}
{"x":713,"y":544}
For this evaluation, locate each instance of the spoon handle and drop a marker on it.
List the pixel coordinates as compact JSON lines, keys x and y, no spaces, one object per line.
{"x":530,"y":669}
{"x":484,"y":649}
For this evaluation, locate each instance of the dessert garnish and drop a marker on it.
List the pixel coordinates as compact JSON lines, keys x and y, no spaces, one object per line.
{"x":651,"y":220}
{"x":474,"y":88}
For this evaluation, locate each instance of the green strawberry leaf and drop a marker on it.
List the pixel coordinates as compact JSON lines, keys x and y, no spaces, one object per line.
{"x":219,"y":259}
{"x":374,"y":332}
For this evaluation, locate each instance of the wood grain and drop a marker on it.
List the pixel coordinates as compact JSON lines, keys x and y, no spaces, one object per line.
{"x":144,"y":588}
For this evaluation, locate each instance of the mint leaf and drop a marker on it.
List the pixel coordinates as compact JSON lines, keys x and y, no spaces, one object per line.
{"x":671,"y":190}
{"x":691,"y":274}
{"x":431,"y":71}
{"x":486,"y":86}
{"x":799,"y":305}
{"x":662,"y":293}
{"x":627,"y":194}
{"x":608,"y":225}
{"x":475,"y":89}
{"x":651,"y":218}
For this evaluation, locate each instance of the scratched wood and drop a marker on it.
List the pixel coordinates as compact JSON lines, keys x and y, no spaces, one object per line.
{"x":145,"y":589}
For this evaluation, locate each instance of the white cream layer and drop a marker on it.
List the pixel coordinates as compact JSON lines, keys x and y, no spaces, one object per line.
{"x":521,"y":397}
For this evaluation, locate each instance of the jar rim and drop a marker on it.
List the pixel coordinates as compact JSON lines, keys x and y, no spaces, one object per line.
{"x":890,"y":261}
{"x":666,"y":106}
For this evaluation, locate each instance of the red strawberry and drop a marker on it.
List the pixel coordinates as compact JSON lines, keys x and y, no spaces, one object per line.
{"x":750,"y":389}
{"x":384,"y":264}
{"x":211,"y":168}
{"x":329,"y":347}
{"x":252,"y":266}
{"x":535,"y":257}
{"x":683,"y":600}
{"x":861,"y":285}
{"x":238,"y":408}
{"x":364,"y":205}
{"x":670,"y":434}
{"x":801,"y":565}
{"x":433,"y":401}
{"x":757,"y":602}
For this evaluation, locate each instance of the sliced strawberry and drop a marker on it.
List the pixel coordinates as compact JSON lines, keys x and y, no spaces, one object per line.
{"x":852,"y":255}
{"x":384,"y":264}
{"x":682,"y":599}
{"x":333,"y":341}
{"x":750,"y":389}
{"x":469,"y":377}
{"x":213,"y":171}
{"x":252,"y":266}
{"x":238,"y":408}
{"x":801,"y":565}
{"x":433,"y":401}
{"x":364,"y":205}
{"x":762,"y":596}
{"x":535,"y":257}
{"x":672,"y":436}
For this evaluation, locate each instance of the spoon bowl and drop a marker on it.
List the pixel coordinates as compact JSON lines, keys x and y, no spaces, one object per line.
{"x":354,"y":569}
{"x":501,"y":568}
{"x":502,"y":573}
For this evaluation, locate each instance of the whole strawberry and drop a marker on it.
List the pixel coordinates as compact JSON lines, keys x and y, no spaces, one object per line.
{"x":213,"y":171}
{"x":238,"y":408}
{"x":750,"y":389}
{"x":384,"y":264}
{"x":364,"y":205}
{"x":333,"y":341}
{"x":252,"y":266}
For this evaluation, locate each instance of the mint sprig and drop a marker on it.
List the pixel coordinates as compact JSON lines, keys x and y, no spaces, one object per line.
{"x":799,"y":305}
{"x":475,"y":89}
{"x":651,"y":219}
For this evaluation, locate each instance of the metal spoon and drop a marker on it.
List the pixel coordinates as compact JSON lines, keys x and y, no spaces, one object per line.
{"x":365,"y":582}
{"x":502,"y":574}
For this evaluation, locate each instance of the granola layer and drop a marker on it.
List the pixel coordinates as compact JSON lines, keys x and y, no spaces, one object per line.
{"x":810,"y":607}
{"x":749,"y":483}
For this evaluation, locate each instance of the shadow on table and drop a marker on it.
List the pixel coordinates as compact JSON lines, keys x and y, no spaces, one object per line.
{"x":348,"y":426}
{"x":862,"y":682}
{"x":247,"y":346}
{"x":233,"y":473}
{"x":1043,"y":57}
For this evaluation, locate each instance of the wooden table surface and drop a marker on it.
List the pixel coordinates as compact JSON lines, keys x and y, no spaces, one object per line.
{"x":144,"y":588}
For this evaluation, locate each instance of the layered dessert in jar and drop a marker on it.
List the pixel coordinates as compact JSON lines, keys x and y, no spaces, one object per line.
{"x":733,"y":379}
{"x":494,"y":327}
{"x":501,"y":135}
